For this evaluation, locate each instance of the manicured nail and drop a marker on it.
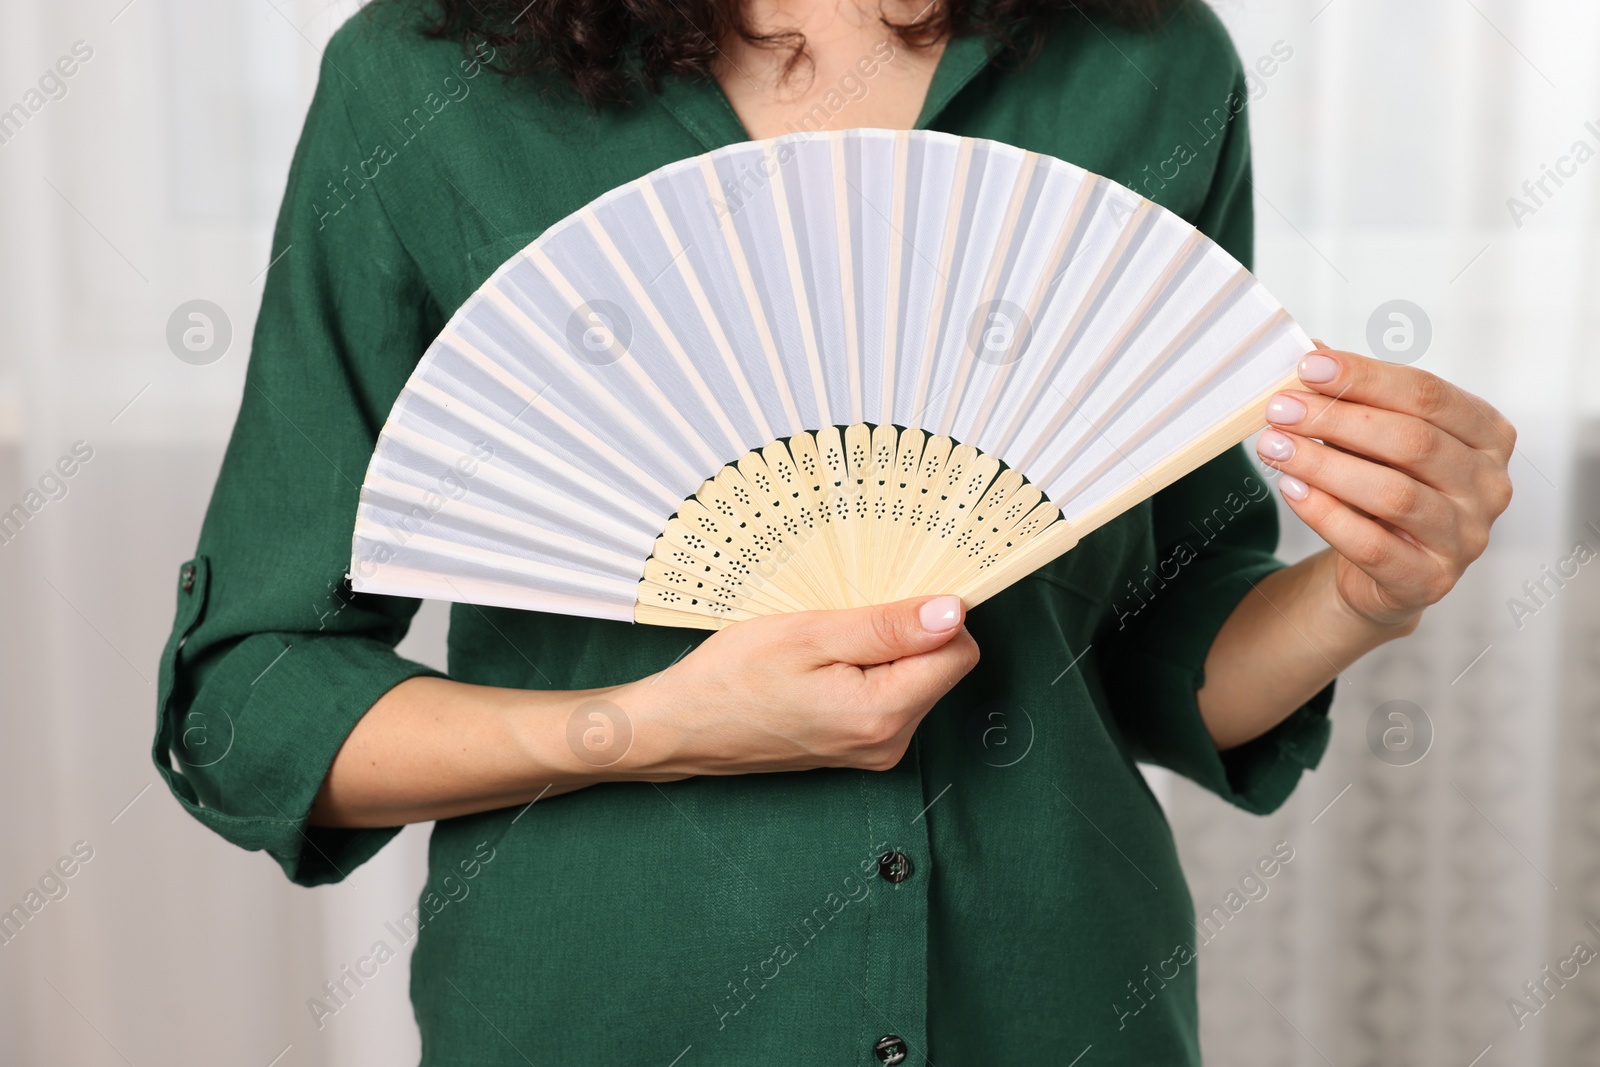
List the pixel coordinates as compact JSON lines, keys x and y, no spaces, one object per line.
{"x":1293,"y":488}
{"x":1285,"y":410}
{"x":1318,"y":368}
{"x":941,"y":614}
{"x":1274,"y":445}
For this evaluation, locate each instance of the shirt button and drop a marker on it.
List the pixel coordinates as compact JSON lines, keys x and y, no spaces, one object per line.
{"x":188,"y":577}
{"x":894,"y":867}
{"x":891,"y":1048}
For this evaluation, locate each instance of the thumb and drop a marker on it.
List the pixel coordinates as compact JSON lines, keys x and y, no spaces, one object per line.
{"x":882,"y":633}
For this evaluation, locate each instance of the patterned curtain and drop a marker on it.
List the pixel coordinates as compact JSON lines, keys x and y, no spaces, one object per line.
{"x":1448,"y":849}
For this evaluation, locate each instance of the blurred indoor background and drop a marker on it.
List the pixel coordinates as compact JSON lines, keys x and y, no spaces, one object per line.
{"x":1446,"y":851}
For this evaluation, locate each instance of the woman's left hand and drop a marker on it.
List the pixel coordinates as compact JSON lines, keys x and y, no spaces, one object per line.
{"x":1399,"y":471}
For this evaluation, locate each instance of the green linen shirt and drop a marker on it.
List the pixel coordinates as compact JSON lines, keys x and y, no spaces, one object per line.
{"x":745,"y":919}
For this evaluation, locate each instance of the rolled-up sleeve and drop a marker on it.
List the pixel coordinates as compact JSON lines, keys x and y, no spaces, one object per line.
{"x":272,"y":660}
{"x":1215,"y":532}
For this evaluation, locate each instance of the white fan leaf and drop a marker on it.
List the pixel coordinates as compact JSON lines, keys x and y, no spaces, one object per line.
{"x":822,"y":371}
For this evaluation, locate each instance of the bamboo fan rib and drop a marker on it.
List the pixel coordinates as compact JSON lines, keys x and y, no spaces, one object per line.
{"x":822,"y":371}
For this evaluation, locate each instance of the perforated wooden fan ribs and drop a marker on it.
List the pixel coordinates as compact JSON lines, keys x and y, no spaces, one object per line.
{"x":835,"y":520}
{"x":940,"y":519}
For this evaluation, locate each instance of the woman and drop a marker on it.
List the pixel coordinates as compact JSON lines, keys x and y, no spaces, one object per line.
{"x":831,"y":837}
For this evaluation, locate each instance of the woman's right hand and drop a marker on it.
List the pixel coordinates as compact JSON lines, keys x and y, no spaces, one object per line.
{"x":779,"y":693}
{"x":797,"y":692}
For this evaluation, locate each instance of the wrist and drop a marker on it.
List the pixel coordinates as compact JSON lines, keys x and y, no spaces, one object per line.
{"x":1366,"y":628}
{"x":623,"y":733}
{"x":571,"y":739}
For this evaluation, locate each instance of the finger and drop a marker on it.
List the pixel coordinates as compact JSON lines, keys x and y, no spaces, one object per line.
{"x":1384,"y":556}
{"x":1405,"y":442}
{"x":919,"y":681}
{"x":1382,"y":492}
{"x":881,"y":633}
{"x":1395,"y":387}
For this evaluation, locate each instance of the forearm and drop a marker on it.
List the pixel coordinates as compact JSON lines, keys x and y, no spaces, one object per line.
{"x":776,"y":693}
{"x":1282,"y":644}
{"x":432,"y":748}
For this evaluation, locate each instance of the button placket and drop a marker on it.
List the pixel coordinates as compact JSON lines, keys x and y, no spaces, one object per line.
{"x":896,"y":974}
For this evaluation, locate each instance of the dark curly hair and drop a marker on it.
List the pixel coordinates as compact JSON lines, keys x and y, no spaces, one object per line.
{"x":584,"y":41}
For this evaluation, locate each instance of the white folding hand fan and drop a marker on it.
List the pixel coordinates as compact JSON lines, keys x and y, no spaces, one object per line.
{"x":822,"y":371}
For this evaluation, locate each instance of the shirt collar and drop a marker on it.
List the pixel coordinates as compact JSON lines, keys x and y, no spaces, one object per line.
{"x":701,"y":107}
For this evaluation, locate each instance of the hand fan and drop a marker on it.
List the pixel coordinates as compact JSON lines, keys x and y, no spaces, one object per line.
{"x":821,"y":371}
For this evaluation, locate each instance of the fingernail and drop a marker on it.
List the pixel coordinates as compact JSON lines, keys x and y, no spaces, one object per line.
{"x":941,"y":614}
{"x":1293,"y":488}
{"x":1318,"y":368}
{"x":1285,"y":410}
{"x":1274,"y":445}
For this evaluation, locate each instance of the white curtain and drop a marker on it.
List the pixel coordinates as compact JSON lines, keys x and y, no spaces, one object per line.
{"x":1421,"y":900}
{"x":1420,"y":897}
